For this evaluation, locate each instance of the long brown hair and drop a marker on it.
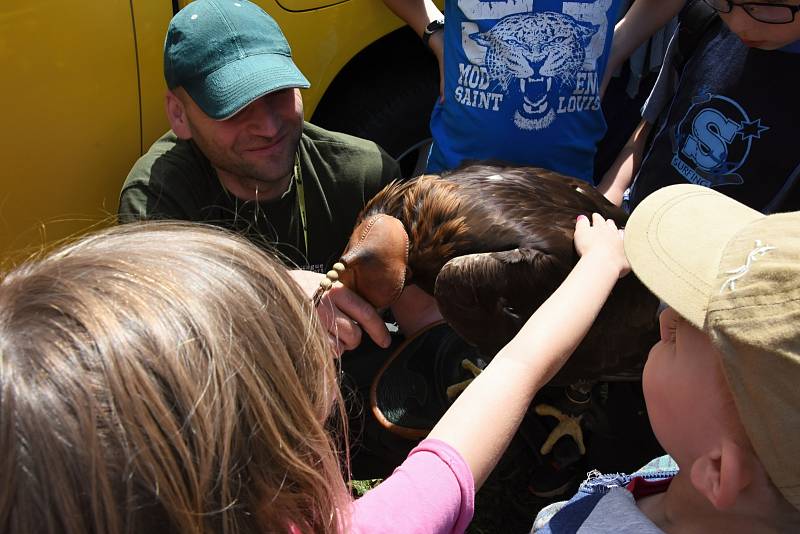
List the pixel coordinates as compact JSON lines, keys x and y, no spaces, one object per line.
{"x":165,"y":377}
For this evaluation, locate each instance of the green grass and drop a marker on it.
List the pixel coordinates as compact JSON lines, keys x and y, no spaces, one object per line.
{"x":359,"y":487}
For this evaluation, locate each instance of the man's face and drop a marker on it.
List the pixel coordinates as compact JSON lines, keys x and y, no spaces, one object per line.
{"x":685,"y":390}
{"x":757,"y":34}
{"x":254,"y":148}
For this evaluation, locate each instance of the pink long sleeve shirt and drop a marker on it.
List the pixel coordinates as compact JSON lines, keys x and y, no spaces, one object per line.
{"x":431,"y":492}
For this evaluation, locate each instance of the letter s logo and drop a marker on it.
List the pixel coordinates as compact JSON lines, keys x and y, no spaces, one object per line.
{"x":712,"y":132}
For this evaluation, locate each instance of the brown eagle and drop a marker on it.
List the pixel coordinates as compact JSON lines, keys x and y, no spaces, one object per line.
{"x":491,"y":243}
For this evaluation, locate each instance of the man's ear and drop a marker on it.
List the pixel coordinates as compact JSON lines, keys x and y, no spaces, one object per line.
{"x":722,"y":474}
{"x":176,"y":114}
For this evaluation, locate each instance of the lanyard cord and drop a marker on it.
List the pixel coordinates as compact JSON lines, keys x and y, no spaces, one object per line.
{"x":301,"y":201}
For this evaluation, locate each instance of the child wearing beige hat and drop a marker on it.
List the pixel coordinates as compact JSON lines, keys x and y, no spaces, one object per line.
{"x":723,"y":384}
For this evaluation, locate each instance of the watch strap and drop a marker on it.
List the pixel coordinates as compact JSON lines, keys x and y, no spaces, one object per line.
{"x":433,"y":27}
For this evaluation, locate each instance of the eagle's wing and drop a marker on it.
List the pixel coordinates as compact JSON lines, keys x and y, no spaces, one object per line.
{"x":487,"y":297}
{"x":616,"y":346}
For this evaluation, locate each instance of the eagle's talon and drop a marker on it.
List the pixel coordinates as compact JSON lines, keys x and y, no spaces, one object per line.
{"x":456,"y":389}
{"x":568,"y":425}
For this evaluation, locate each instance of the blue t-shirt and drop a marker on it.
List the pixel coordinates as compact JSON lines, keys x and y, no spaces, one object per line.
{"x":522,"y":83}
{"x":793,"y":48}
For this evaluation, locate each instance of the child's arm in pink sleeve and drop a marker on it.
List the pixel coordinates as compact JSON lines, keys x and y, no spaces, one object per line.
{"x":431,"y":492}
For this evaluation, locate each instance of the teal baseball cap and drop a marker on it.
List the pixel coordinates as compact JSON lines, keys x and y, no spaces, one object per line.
{"x":226,"y":54}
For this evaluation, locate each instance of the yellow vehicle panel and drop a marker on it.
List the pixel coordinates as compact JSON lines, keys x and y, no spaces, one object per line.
{"x":84,"y":91}
{"x":151,"y":18}
{"x":71,"y":115}
{"x":330,"y":38}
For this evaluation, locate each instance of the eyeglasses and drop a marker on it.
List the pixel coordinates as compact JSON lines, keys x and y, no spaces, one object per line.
{"x":760,"y":11}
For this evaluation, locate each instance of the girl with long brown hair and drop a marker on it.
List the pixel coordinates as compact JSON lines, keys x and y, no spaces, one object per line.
{"x":173,"y":378}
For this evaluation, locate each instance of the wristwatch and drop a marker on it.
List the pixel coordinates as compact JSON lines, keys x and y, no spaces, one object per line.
{"x":433,"y":27}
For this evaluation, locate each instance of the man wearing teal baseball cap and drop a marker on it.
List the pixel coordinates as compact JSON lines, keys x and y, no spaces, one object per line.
{"x":239,"y":154}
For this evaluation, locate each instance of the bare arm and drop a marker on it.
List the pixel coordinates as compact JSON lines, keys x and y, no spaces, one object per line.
{"x":620,"y":175}
{"x":484,"y":418}
{"x":641,"y":21}
{"x":415,"y":310}
{"x":418,"y":14}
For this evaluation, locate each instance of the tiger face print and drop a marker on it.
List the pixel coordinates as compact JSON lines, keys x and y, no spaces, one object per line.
{"x":543,"y":52}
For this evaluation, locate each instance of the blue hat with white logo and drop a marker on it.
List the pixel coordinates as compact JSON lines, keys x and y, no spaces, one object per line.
{"x":226,"y":54}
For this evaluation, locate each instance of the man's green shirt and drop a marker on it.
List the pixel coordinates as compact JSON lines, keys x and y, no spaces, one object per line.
{"x":339,"y":173}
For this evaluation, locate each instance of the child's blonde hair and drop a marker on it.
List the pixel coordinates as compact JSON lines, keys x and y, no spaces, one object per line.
{"x":165,"y":378}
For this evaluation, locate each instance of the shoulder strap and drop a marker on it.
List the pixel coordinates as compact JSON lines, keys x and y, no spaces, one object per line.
{"x":786,"y":199}
{"x":695,"y":19}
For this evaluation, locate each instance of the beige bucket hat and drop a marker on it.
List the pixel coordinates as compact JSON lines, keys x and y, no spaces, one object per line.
{"x":734,"y":273}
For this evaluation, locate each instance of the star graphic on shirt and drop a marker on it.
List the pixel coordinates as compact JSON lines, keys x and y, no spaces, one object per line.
{"x":751,"y":130}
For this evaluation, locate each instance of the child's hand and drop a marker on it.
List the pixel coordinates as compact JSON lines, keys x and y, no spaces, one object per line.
{"x":601,"y":237}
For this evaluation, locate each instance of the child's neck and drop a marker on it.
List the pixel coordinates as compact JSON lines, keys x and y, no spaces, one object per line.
{"x":682,"y":509}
